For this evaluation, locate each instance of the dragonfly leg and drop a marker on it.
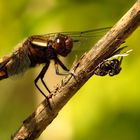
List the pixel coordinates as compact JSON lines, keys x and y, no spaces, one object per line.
{"x":58,"y":62}
{"x":41,"y":76}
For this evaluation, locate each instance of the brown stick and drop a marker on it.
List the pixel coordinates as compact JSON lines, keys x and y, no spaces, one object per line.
{"x":34,"y":125}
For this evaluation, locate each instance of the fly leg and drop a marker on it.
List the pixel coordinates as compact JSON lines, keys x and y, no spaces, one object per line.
{"x":41,"y":76}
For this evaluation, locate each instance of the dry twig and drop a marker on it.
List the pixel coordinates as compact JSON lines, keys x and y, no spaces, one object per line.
{"x":34,"y":125}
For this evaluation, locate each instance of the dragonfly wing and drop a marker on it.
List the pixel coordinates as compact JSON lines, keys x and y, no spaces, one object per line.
{"x":84,"y":41}
{"x":19,"y":63}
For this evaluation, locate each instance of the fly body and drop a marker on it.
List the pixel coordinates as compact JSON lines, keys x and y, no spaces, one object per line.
{"x":112,"y":65}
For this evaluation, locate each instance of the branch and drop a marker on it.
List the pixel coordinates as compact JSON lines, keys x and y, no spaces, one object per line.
{"x":34,"y":125}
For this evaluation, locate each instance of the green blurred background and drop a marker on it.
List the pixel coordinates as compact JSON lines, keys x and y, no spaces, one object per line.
{"x":105,"y":108}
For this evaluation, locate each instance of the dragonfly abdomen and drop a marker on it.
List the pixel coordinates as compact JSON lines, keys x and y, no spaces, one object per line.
{"x":16,"y":63}
{"x":3,"y":74}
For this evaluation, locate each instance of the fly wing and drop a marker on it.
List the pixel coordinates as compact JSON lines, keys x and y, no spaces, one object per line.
{"x":119,"y":54}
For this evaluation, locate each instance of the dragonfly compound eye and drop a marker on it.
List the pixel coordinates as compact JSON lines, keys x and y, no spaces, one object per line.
{"x":63,"y":45}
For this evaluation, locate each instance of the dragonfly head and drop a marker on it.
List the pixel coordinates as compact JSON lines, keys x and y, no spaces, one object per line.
{"x":63,"y":44}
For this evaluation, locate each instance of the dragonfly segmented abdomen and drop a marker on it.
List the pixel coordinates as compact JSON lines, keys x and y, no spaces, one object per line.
{"x":18,"y":63}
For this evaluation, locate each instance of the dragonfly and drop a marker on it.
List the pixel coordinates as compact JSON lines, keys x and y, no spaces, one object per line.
{"x":41,"y":49}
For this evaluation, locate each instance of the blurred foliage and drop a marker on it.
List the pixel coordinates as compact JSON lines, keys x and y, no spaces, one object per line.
{"x":106,"y":108}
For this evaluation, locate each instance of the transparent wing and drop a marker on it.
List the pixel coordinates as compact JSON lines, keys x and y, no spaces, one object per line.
{"x":18,"y":63}
{"x":118,"y":53}
{"x":84,"y":41}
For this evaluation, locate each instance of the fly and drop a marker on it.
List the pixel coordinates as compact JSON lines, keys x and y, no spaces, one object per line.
{"x":112,"y":65}
{"x":40,"y":49}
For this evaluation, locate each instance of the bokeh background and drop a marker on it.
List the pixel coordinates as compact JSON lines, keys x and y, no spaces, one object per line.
{"x":105,"y":108}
